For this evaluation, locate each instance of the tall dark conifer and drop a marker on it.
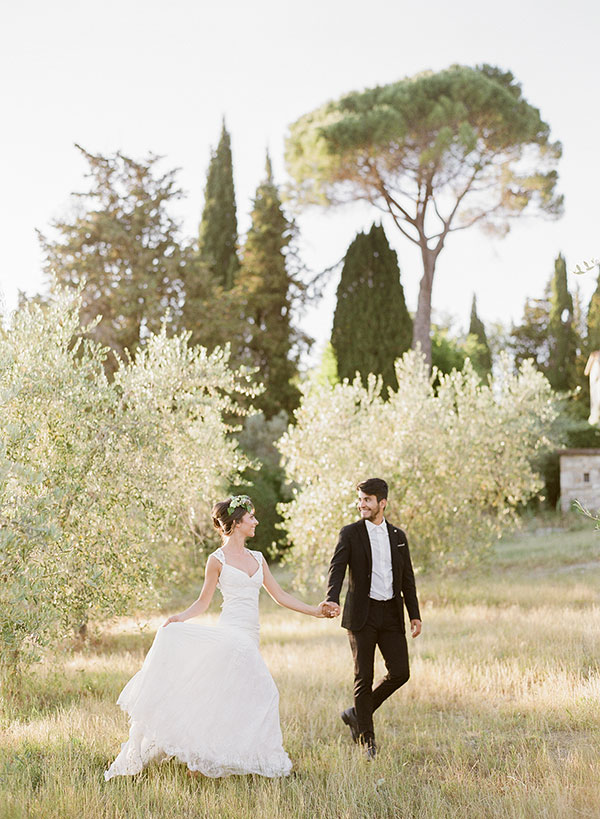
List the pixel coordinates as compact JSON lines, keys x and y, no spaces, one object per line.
{"x":218,"y":236}
{"x":562,"y":336}
{"x":371,"y":324}
{"x":268,"y":288}
{"x":482,"y":358}
{"x":593,"y":321}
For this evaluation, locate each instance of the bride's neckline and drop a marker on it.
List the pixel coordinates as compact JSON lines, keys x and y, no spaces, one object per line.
{"x":243,"y":571}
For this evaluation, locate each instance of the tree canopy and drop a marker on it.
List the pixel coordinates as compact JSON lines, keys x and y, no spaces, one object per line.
{"x":122,"y":242}
{"x":438,"y":152}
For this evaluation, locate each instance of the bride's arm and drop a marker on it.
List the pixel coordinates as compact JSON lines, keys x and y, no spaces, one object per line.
{"x":199,"y":606}
{"x":287,"y":600}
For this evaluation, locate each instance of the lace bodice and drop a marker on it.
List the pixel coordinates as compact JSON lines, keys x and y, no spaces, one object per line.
{"x":240,"y":591}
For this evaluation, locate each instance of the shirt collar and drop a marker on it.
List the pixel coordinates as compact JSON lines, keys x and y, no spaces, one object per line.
{"x":381,"y":526}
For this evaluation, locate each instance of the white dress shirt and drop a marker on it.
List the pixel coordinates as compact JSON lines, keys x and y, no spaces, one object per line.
{"x":382,"y":581}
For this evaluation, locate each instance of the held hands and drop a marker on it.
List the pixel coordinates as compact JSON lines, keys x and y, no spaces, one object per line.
{"x":328,"y":609}
{"x":174,"y":618}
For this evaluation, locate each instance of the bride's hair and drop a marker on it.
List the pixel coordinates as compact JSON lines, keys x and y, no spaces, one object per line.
{"x":223,"y":520}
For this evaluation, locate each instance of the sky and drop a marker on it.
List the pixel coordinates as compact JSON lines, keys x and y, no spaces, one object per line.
{"x":155,"y":77}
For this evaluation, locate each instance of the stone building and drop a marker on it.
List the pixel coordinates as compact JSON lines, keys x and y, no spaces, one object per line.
{"x":580,"y":478}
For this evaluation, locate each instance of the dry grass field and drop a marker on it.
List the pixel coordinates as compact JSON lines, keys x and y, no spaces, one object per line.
{"x":501,"y":717}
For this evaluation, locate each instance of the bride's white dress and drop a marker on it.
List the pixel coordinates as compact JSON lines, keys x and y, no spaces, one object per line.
{"x":204,"y":693}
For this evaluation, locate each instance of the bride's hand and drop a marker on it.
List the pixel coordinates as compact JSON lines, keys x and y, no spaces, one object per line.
{"x":328,"y":609}
{"x":174,"y":618}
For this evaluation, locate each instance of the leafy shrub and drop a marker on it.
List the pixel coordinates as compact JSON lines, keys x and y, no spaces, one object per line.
{"x":457,"y":458}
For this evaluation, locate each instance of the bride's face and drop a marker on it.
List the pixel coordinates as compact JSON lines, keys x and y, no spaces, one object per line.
{"x":247,"y":524}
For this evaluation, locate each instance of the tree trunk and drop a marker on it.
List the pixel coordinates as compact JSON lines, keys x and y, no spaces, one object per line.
{"x":422,"y":324}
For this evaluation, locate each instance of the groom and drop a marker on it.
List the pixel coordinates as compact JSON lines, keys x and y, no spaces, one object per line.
{"x":380,"y":582}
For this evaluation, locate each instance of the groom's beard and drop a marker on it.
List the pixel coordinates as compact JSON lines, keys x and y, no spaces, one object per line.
{"x":371,"y":515}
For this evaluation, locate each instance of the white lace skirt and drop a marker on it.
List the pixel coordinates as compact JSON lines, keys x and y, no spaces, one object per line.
{"x":205,"y":696}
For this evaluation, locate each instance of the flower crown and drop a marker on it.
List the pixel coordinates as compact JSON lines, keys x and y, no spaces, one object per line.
{"x":240,"y":501}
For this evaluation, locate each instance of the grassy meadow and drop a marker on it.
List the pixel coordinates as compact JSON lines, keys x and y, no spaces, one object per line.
{"x":501,"y":717}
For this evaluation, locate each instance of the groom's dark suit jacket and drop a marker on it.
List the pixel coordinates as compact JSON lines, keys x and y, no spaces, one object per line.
{"x":354,"y":552}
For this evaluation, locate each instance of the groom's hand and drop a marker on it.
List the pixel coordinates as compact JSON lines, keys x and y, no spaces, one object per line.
{"x":329,"y":608}
{"x":415,"y":627}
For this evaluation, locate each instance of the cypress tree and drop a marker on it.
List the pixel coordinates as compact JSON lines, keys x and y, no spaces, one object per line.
{"x":563,"y":342}
{"x":371,"y":324}
{"x":593,"y":321}
{"x":272,"y":342}
{"x":218,"y":236}
{"x":482,"y":357}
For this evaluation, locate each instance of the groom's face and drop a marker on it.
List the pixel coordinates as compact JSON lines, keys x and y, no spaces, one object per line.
{"x":370,"y":508}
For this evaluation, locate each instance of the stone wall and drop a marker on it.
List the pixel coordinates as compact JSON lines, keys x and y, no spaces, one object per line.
{"x":580,"y":478}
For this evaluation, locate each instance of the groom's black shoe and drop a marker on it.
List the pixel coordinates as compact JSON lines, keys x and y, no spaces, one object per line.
{"x":349,"y":719}
{"x":370,"y":748}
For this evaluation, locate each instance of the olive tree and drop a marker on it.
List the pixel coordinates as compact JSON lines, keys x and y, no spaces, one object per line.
{"x":105,"y":485}
{"x":457,"y":459}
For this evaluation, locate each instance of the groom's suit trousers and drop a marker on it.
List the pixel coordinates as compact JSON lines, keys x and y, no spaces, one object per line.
{"x":384,"y":628}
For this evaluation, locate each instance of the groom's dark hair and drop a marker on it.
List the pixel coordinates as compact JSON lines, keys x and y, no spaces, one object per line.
{"x":374,"y":486}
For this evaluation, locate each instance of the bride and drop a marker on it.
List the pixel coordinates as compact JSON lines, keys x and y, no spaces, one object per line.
{"x":204,"y":694}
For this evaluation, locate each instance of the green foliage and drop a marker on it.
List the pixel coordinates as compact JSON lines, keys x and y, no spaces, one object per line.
{"x":548,"y":332}
{"x":529,"y":339}
{"x":211,"y":313}
{"x":371,"y":324}
{"x":447,"y":352}
{"x":439,"y":152}
{"x":265,"y":480}
{"x":326,"y":372}
{"x":563,"y":342}
{"x":122,"y":248}
{"x":212,"y":301}
{"x":457,"y":459}
{"x":450,"y":352}
{"x":480,"y":352}
{"x":593,"y":321}
{"x":441,"y":128}
{"x":104,"y":485}
{"x":218,"y":237}
{"x":271,"y":342}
